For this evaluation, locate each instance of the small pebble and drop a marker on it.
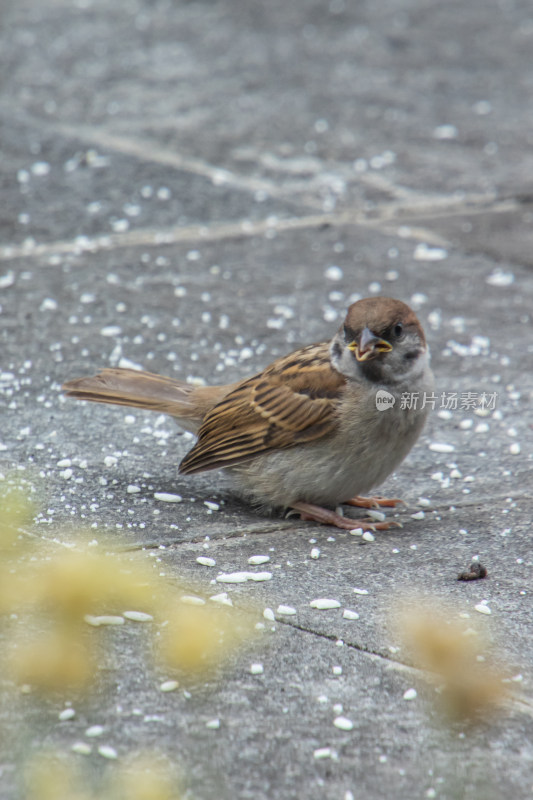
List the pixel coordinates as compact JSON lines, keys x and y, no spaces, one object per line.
{"x":165,"y":497}
{"x":368,"y":537}
{"x":40,"y":168}
{"x":483,"y":608}
{"x":192,"y":600}
{"x":213,"y":724}
{"x":7,"y":280}
{"x":324,"y":603}
{"x":315,"y":552}
{"x":256,"y":560}
{"x":500,"y":278}
{"x":333,"y":273}
{"x":410,"y":694}
{"x":418,"y":515}
{"x":260,"y":576}
{"x":337,"y":670}
{"x":323,"y":752}
{"x":233,"y":577}
{"x":168,"y":686}
{"x":286,"y":611}
{"x":269,"y":614}
{"x":94,"y":730}
{"x":441,"y":447}
{"x":111,"y":330}
{"x":360,"y":591}
{"x":343,"y":723}
{"x":424,"y":252}
{"x":66,"y":714}
{"x":206,"y":562}
{"x":242,"y":577}
{"x":104,"y":619}
{"x":222,"y":598}
{"x":256,"y":669}
{"x":82,"y":748}
{"x":137,"y":616}
{"x":349,"y":614}
{"x":48,"y":304}
{"x":107,"y":751}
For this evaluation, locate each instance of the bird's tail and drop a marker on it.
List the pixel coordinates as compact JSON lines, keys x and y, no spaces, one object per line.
{"x":130,"y":387}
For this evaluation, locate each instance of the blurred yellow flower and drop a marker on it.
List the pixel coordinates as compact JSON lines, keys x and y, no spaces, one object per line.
{"x":15,"y":511}
{"x":52,"y":660}
{"x":145,"y":777}
{"x":456,"y":652}
{"x":198,"y":638}
{"x":56,"y":595}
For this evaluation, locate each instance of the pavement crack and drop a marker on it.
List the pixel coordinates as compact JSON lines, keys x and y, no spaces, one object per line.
{"x":385,"y":218}
{"x":512,"y":701}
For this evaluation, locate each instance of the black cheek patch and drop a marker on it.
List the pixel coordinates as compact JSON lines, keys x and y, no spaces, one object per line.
{"x":349,"y":334}
{"x":411,"y":355}
{"x":336,"y":350}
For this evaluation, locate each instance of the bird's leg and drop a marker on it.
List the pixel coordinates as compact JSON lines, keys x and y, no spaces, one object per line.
{"x":374,"y":502}
{"x":308,"y":511}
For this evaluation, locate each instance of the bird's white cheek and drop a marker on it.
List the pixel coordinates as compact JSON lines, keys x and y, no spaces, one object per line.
{"x":418,"y":367}
{"x":342,"y":359}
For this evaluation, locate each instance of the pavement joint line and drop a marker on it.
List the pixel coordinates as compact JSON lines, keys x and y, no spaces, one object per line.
{"x":280,"y":526}
{"x":154,"y":237}
{"x":148,"y":150}
{"x":145,"y":149}
{"x":520,"y":703}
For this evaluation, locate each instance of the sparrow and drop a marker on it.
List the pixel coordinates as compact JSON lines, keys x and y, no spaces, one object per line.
{"x":311,"y":431}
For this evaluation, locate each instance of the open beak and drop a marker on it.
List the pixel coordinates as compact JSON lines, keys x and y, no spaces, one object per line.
{"x":369,"y":345}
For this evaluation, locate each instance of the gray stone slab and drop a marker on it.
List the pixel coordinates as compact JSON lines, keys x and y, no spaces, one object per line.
{"x":57,"y":187}
{"x":258,"y":120}
{"x":273,"y":724}
{"x":294,"y":94}
{"x":506,"y":235}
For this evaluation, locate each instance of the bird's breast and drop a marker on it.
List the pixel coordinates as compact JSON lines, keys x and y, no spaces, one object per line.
{"x":367,"y":445}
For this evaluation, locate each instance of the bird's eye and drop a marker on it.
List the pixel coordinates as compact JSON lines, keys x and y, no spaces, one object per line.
{"x":398,"y":329}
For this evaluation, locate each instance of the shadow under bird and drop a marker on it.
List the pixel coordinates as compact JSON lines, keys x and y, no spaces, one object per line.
{"x":308,"y":433}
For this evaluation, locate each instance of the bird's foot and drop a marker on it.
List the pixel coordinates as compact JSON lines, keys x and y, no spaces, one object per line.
{"x":312,"y":513}
{"x":374,"y":502}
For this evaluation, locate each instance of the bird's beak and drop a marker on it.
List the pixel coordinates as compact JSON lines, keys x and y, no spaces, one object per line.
{"x":369,"y":345}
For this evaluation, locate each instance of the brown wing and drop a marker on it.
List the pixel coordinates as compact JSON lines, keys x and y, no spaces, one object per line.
{"x":293,"y":400}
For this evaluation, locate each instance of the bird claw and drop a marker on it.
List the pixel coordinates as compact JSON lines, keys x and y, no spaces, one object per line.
{"x":374,"y":502}
{"x":312,"y":513}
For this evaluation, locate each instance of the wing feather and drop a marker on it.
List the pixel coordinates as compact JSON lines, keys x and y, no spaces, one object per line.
{"x":293,"y":400}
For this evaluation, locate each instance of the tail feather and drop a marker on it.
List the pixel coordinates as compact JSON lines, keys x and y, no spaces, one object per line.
{"x":129,"y":387}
